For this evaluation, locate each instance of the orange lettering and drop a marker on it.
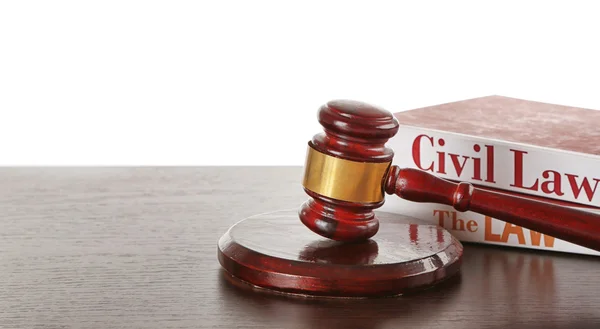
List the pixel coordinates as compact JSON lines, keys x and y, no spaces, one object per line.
{"x":536,"y":237}
{"x":472,"y":226}
{"x":457,"y":223}
{"x":513,"y":229}
{"x":441,"y":214}
{"x":489,"y":236}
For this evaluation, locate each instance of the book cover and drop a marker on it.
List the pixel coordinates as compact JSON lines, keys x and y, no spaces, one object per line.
{"x":513,"y":145}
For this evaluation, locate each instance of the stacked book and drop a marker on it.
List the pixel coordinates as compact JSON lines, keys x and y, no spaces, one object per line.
{"x":531,"y":149}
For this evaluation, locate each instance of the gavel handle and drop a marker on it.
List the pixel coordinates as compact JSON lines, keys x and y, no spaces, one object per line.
{"x":572,"y":225}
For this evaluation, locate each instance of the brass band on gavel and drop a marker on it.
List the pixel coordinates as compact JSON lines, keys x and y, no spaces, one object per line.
{"x":344,"y":180}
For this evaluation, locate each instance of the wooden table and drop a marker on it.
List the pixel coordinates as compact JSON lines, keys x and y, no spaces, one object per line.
{"x":136,"y":248}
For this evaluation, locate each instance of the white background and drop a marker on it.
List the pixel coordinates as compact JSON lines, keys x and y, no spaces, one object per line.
{"x":239,"y":82}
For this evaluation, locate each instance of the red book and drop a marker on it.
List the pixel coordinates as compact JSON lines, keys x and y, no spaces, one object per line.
{"x":534,"y":149}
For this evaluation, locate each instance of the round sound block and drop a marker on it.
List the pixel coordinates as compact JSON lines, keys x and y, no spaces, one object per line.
{"x":276,"y":251}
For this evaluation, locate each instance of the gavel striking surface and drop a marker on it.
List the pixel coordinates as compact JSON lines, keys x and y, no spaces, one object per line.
{"x":275,"y":251}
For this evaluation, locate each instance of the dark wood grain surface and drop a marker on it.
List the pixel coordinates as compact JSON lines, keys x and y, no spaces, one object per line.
{"x":136,"y":248}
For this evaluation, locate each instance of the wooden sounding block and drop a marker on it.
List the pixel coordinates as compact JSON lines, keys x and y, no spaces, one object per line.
{"x":275,"y":251}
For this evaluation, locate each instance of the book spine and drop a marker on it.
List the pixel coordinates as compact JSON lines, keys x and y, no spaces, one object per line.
{"x":556,"y":176}
{"x":542,"y":172}
{"x":476,"y":228}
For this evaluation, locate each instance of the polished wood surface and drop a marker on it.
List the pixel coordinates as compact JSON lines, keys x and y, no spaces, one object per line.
{"x":276,"y":251}
{"x":137,"y":248}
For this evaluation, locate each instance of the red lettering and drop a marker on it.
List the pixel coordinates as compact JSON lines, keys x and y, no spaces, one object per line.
{"x":556,"y":183}
{"x":518,"y":166}
{"x":476,"y":164}
{"x":490,"y":163}
{"x":441,"y":158}
{"x":457,"y":166}
{"x":416,"y":152}
{"x":585,"y":185}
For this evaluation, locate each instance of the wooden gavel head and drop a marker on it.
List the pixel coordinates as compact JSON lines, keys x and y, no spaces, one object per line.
{"x":345,"y":169}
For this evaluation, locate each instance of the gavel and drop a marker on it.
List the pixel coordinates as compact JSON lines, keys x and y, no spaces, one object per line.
{"x":349,"y":170}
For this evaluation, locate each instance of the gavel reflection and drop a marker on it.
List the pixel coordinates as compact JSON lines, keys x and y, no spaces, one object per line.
{"x":348,"y":171}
